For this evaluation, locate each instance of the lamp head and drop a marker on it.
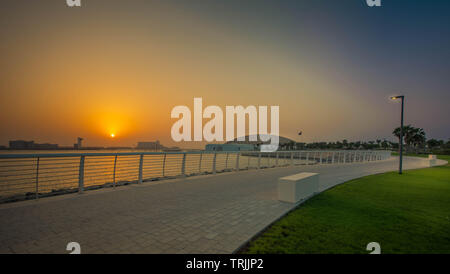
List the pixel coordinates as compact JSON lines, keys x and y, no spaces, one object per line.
{"x":397,"y":97}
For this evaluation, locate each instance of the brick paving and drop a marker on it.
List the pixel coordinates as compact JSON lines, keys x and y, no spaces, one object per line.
{"x":202,"y":214}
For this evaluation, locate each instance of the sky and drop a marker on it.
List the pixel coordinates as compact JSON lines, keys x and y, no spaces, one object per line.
{"x":116,"y":66}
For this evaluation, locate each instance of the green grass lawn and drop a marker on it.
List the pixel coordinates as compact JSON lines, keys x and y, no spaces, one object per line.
{"x":442,"y":157}
{"x":407,"y":213}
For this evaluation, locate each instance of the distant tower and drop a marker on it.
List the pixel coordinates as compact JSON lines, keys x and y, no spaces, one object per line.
{"x":79,"y":140}
{"x":78,"y":144}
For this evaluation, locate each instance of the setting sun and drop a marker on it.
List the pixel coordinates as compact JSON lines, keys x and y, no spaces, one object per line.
{"x":113,"y":135}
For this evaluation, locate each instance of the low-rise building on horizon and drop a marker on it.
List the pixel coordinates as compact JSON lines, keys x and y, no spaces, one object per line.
{"x":21,"y":144}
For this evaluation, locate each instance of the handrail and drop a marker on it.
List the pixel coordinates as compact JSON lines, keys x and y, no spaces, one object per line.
{"x":34,"y":175}
{"x":92,"y":154}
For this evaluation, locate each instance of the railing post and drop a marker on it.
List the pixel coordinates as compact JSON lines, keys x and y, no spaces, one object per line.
{"x":200,"y":163}
{"x":345,"y":157}
{"x":183,"y":165}
{"x":320,"y":157}
{"x":164,"y":165}
{"x":114,"y":171}
{"x":141,"y":163}
{"x":237,"y":161}
{"x":292,"y":159}
{"x":214,"y":163}
{"x":226,"y":161}
{"x":259,"y":160}
{"x":307,"y":158}
{"x":276,"y":161}
{"x":37,"y":178}
{"x":332,"y":157}
{"x":81,"y":175}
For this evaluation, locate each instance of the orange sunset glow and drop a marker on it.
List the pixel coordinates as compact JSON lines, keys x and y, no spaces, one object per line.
{"x":110,"y":69}
{"x":224,"y":131}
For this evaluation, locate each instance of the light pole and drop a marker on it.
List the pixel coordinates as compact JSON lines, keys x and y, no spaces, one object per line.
{"x":401,"y":132}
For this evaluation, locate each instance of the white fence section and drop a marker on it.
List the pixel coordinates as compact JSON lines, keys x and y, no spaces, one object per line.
{"x":28,"y":176}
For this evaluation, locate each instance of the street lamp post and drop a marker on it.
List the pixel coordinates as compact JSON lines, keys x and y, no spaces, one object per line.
{"x":401,"y":132}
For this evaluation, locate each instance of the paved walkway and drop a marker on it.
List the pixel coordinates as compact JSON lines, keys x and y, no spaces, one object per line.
{"x":203,"y":214}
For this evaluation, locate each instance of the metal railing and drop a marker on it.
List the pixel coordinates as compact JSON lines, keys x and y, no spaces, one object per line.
{"x":28,"y":176}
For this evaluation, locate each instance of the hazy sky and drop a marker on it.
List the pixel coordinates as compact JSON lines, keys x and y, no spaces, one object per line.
{"x":121,"y":66}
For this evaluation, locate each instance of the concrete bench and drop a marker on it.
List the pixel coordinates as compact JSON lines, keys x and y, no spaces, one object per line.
{"x":297,"y":187}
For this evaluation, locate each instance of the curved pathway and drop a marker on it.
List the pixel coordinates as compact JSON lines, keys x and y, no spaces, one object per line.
{"x":202,"y":214}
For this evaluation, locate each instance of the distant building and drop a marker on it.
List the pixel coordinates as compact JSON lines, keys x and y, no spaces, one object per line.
{"x":283,"y":142}
{"x":150,"y":145}
{"x":45,"y":146}
{"x":230,"y":147}
{"x":78,"y":145}
{"x":171,"y":149}
{"x":20,"y":144}
{"x":247,"y":140}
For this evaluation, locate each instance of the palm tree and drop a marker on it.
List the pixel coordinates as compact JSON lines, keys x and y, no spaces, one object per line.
{"x":417,"y":138}
{"x":397,"y":132}
{"x":413,"y":137}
